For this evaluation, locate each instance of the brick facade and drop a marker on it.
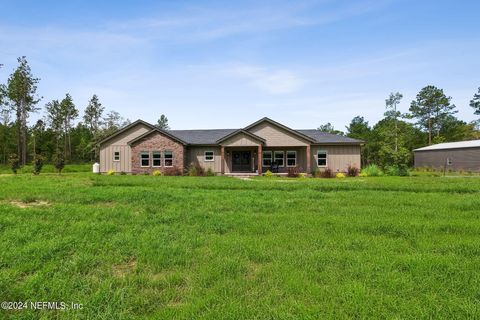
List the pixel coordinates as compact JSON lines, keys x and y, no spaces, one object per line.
{"x":157,"y":142}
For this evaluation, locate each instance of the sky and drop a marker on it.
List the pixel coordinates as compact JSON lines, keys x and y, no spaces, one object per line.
{"x":225,"y":64}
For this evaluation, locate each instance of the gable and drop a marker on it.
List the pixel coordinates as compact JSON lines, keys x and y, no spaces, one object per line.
{"x":128,"y":134}
{"x":276,"y":136}
{"x":241,"y":139}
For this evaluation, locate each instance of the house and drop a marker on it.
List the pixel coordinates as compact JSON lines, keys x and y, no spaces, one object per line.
{"x":462,"y":155}
{"x":142,"y":148}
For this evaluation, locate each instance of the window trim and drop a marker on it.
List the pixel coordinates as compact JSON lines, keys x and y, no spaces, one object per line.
{"x":205,"y":156}
{"x":295,"y":152}
{"x":270,"y":158}
{"x":148,"y":159}
{"x":114,"y":156}
{"x":449,"y":161}
{"x":283,"y":157}
{"x":153,"y":159}
{"x":326,"y":158}
{"x":165,"y":158}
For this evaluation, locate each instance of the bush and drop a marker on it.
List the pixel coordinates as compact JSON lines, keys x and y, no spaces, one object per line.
{"x":157,"y":173}
{"x":293,"y":172}
{"x":352,"y":171}
{"x":209,"y":172}
{"x":302,"y":175}
{"x":59,"y":162}
{"x":172,"y":171}
{"x":195,"y":170}
{"x":123,"y":173}
{"x":37,"y":164}
{"x":14,"y":163}
{"x":327,"y":173}
{"x":268,"y":173}
{"x":363,"y":174}
{"x":372,"y":171}
{"x":396,"y":171}
{"x":110,"y":172}
{"x":340,"y":175}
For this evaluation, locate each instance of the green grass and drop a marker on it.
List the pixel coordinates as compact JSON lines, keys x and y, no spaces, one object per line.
{"x":49,"y":168}
{"x":220,"y":248}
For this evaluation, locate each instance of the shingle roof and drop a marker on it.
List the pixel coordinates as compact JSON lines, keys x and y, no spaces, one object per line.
{"x":452,"y":145}
{"x":324,"y":137}
{"x":205,"y":136}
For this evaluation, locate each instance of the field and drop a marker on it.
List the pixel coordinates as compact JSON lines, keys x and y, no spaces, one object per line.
{"x":221,"y":248}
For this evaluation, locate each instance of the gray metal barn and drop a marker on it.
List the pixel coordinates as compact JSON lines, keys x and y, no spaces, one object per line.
{"x":462,"y":155}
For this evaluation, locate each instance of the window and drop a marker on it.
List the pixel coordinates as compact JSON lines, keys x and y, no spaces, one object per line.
{"x":321,"y":158}
{"x":278,"y":155}
{"x":156,"y":159}
{"x":449,"y":161}
{"x":267,"y":158}
{"x":168,"y":158}
{"x":291,"y":158}
{"x":145,"y":159}
{"x":116,"y":156}
{"x":208,"y":156}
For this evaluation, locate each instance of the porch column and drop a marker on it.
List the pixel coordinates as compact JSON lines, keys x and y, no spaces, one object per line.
{"x":259,"y":154}
{"x":308,"y":159}
{"x":222,"y":159}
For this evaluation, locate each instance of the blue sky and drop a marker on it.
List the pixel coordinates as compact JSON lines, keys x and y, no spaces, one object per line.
{"x":211,"y":64}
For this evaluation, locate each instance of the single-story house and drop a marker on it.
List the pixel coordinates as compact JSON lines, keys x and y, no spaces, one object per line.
{"x":143,"y":148}
{"x":462,"y":155}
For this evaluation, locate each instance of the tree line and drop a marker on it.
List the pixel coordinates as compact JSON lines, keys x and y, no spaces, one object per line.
{"x":62,"y":135}
{"x":430,"y":119}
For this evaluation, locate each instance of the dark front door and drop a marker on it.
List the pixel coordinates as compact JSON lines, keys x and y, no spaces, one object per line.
{"x":241,"y":161}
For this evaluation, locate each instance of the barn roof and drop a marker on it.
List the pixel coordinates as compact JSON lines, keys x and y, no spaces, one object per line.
{"x":452,"y":145}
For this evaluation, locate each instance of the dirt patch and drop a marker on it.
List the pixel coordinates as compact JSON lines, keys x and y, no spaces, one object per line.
{"x":30,"y":204}
{"x":120,"y":270}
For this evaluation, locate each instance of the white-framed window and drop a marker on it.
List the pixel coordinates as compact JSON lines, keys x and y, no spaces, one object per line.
{"x":116,"y":156}
{"x":145,"y":159}
{"x":156,"y":159}
{"x":449,"y":161}
{"x":279,"y":158}
{"x":209,"y":156}
{"x":291,"y":158}
{"x":267,"y":158}
{"x":168,"y":159}
{"x":321,"y":158}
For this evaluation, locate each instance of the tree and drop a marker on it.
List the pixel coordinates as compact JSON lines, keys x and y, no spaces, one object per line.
{"x":328,"y":128}
{"x":162,"y":123}
{"x":21,"y":92}
{"x":430,"y":108}
{"x":392,"y":113}
{"x":68,"y":113}
{"x":359,"y":129}
{"x":112,"y":122}
{"x":93,"y":120}
{"x":55,"y":120}
{"x":475,"y":102}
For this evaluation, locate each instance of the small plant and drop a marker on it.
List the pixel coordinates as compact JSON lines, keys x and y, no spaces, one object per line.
{"x":209,"y":172}
{"x":352,"y":171}
{"x":340,"y":175}
{"x":172,"y":171}
{"x":146,"y":173}
{"x":37,"y":164}
{"x":327,"y":173}
{"x":157,"y":173}
{"x":363,"y":174}
{"x":123,"y":173}
{"x":373,"y":171}
{"x":110,"y":172}
{"x":195,"y":170}
{"x":59,"y":162}
{"x":293,"y":172}
{"x":396,"y":171}
{"x":14,"y":163}
{"x":268,"y":174}
{"x":302,"y":175}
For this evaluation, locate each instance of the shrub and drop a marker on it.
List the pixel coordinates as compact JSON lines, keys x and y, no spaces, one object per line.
{"x":59,"y":162}
{"x":340,"y":175}
{"x":14,"y":163}
{"x":195,"y":170}
{"x":363,"y":174}
{"x":172,"y":171}
{"x":268,"y":173}
{"x":327,"y":173}
{"x":292,"y":172}
{"x":37,"y":164}
{"x":209,"y":172}
{"x":146,"y":173}
{"x":123,"y":173}
{"x":110,"y":172}
{"x":302,"y":175}
{"x":373,"y":171}
{"x":157,"y":173}
{"x":396,"y":171}
{"x":352,"y":171}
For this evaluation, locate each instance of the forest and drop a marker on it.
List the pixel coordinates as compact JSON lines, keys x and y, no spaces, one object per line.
{"x":62,"y":135}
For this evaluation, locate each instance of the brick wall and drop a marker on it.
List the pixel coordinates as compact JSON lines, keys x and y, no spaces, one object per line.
{"x":157,"y":142}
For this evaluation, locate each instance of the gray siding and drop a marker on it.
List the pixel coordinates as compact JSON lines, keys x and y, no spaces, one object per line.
{"x":462,"y":159}
{"x":338,"y":157}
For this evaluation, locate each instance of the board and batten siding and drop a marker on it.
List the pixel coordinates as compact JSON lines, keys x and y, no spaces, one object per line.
{"x":240,"y":140}
{"x":338,"y":157}
{"x":276,"y":136}
{"x":120,"y":143}
{"x":461,"y":159}
{"x":196,"y":155}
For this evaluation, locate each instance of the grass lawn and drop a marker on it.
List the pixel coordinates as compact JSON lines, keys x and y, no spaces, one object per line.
{"x":221,"y":248}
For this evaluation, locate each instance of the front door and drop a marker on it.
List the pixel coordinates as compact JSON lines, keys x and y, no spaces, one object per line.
{"x":241,"y":161}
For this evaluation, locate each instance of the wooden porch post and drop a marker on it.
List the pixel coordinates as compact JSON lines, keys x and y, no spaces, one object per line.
{"x":259,"y":165}
{"x":222,"y":157}
{"x":308,"y":160}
